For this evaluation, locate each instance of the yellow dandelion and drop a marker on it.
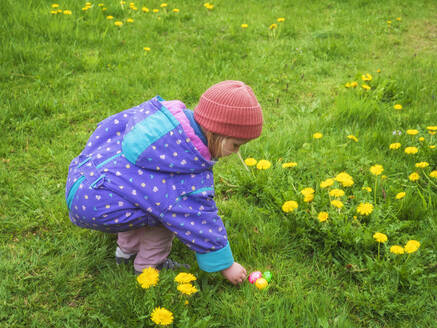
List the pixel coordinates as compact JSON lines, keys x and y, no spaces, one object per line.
{"x":412,"y":132}
{"x":347,"y":85}
{"x":54,"y":12}
{"x":67,"y":12}
{"x":395,"y":146}
{"x":354,"y":84}
{"x":250,"y":161}
{"x":397,"y":106}
{"x":208,"y":6}
{"x":376,"y":169}
{"x":398,"y":18}
{"x":433,"y":174}
{"x":336,"y":193}
{"x":389,"y":22}
{"x":100,"y":5}
{"x":307,"y":191}
{"x":289,"y":164}
{"x":411,"y":150}
{"x":187,"y":289}
{"x":161,"y":316}
{"x":122,"y":2}
{"x":400,"y":195}
{"x":148,"y":278}
{"x":109,"y":17}
{"x":421,"y":139}
{"x":155,"y":11}
{"x":273,"y":26}
{"x":145,"y":9}
{"x":55,"y":5}
{"x":432,"y":147}
{"x":184,"y":278}
{"x":244,"y":26}
{"x":345,"y":179}
{"x":422,"y":164}
{"x":146,"y":49}
{"x":317,"y":135}
{"x":414,"y":176}
{"x":327,"y":183}
{"x":337,"y":203}
{"x":366,"y":87}
{"x":281,"y":19}
{"x":365,"y":209}
{"x":432,"y":127}
{"x":186,"y":302}
{"x":175,"y":10}
{"x":118,"y":23}
{"x":129,"y":20}
{"x":352,"y":137}
{"x":289,"y":206}
{"x":263,"y":165}
{"x":411,"y":246}
{"x":367,"y":189}
{"x":366,"y":77}
{"x":378,"y":70}
{"x":380,"y":237}
{"x":397,"y":249}
{"x":308,"y":198}
{"x":323,"y":216}
{"x":163,"y":5}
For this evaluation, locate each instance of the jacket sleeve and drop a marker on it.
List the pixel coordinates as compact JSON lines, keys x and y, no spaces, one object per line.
{"x":194,"y":220}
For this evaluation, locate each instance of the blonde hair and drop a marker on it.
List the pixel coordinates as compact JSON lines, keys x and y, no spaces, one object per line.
{"x":215,"y":143}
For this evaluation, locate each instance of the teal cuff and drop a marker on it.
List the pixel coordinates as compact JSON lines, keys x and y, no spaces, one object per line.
{"x":216,"y":261}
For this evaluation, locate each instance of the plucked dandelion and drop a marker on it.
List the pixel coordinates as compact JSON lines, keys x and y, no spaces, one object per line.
{"x":161,"y":316}
{"x":400,"y":195}
{"x":365,"y":209}
{"x":323,"y":216}
{"x":184,"y":278}
{"x":290,"y":206}
{"x":411,"y":150}
{"x":263,"y":165}
{"x":414,"y":176}
{"x":411,"y":246}
{"x":289,"y":164}
{"x":397,"y":249}
{"x":148,"y":278}
{"x":395,"y":146}
{"x":187,"y":289}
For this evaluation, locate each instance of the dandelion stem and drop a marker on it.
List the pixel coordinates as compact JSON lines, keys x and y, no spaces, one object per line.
{"x":242,"y":161}
{"x":374,"y":190}
{"x":378,"y":250}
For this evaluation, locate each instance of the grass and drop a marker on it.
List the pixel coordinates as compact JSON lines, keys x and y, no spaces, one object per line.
{"x":61,"y":74}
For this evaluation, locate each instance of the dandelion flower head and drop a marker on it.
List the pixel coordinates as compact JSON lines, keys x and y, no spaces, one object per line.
{"x":317,"y":135}
{"x":327,"y":183}
{"x":395,"y":146}
{"x":289,"y":164}
{"x":411,"y":150}
{"x":289,"y":206}
{"x":250,"y":161}
{"x":244,"y":26}
{"x":422,"y":164}
{"x":281,"y":19}
{"x":184,"y":278}
{"x":352,"y":137}
{"x":263,"y":165}
{"x":433,"y":174}
{"x":400,"y":195}
{"x":337,"y":203}
{"x":412,"y":132}
{"x":273,"y":26}
{"x":308,"y":198}
{"x":380,"y":237}
{"x":365,"y":208}
{"x":307,"y":191}
{"x":175,"y":10}
{"x":187,"y":289}
{"x":345,"y":179}
{"x":376,"y":169}
{"x":414,"y":176}
{"x":411,"y":246}
{"x":148,"y":278}
{"x":323,"y":216}
{"x":366,"y":77}
{"x":397,"y":249}
{"x":368,"y":189}
{"x":162,"y":316}
{"x":118,"y":23}
{"x":336,"y":193}
{"x":366,"y":87}
{"x":397,"y":106}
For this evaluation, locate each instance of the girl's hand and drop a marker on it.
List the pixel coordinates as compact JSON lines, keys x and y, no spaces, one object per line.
{"x":236,"y":273}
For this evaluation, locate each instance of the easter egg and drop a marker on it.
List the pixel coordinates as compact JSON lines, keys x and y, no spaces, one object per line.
{"x":261,"y":283}
{"x":254,"y":276}
{"x":267,"y":276}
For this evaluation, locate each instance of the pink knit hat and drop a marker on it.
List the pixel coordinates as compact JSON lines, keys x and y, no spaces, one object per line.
{"x":230,"y":108}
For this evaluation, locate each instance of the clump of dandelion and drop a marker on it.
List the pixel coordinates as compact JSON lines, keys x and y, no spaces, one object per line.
{"x":397,"y":249}
{"x":263,"y":164}
{"x":161,"y":316}
{"x":379,"y":238}
{"x":411,"y":150}
{"x":414,"y":176}
{"x":148,"y":278}
{"x":322,"y":216}
{"x":411,"y":246}
{"x":290,"y":206}
{"x":365,"y":209}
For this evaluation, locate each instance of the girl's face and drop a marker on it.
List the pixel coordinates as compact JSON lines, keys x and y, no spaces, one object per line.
{"x":231,"y":146}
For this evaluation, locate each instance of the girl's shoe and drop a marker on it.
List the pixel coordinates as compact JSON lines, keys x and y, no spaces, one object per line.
{"x":122,"y":257}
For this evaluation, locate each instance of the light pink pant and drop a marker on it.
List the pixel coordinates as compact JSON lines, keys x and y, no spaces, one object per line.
{"x":152,"y":245}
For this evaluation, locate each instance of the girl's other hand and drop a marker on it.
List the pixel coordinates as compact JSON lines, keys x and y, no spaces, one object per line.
{"x":236,"y":273}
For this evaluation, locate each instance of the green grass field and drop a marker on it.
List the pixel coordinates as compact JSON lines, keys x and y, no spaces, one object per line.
{"x":61,"y":74}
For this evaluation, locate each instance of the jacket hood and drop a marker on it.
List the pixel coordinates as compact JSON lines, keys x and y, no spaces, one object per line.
{"x":156,"y":140}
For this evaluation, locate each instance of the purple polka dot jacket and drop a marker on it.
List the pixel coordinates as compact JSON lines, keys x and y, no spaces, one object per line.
{"x":146,"y":166}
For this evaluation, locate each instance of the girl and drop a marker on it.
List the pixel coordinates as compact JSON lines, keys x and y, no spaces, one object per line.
{"x":146,"y":173}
